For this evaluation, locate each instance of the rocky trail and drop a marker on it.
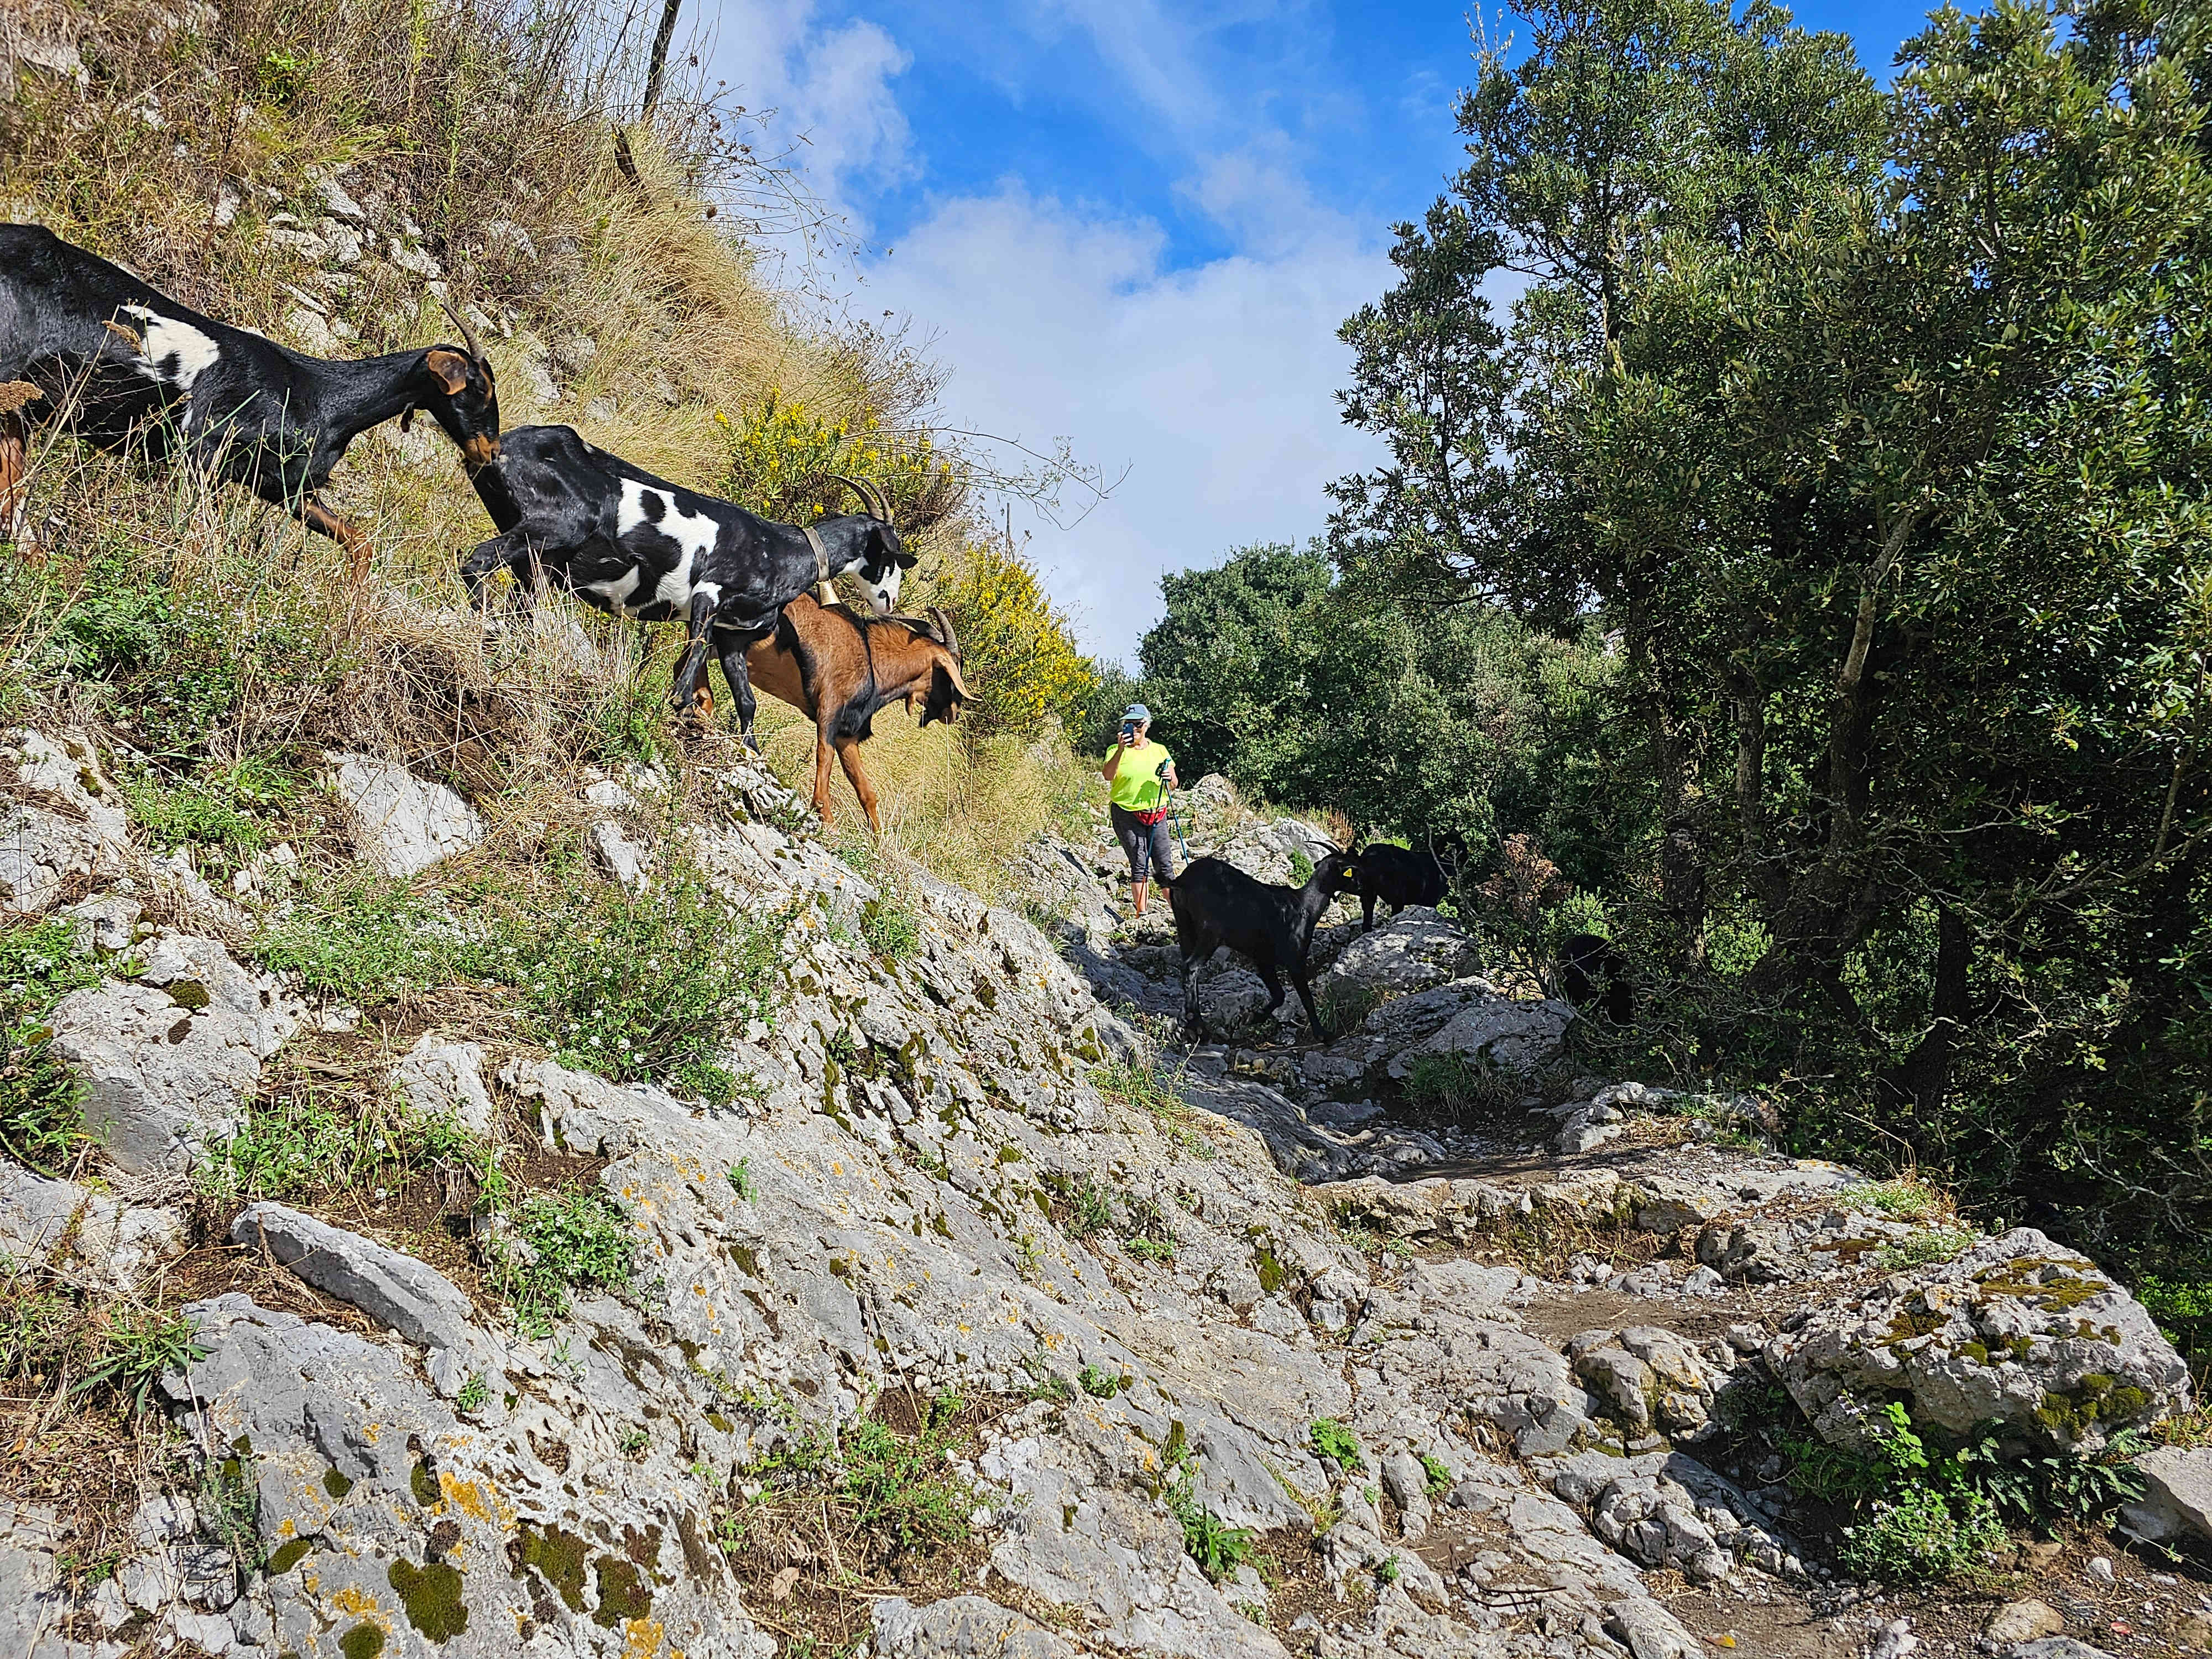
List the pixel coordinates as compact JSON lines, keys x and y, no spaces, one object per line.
{"x":991,"y":1322}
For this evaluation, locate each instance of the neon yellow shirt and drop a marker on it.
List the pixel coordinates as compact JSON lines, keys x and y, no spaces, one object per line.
{"x":1137,"y":785}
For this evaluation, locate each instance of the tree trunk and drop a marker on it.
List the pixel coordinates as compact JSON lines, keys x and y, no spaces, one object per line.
{"x":1923,"y":1077}
{"x":657,"y":64}
{"x":656,"y":69}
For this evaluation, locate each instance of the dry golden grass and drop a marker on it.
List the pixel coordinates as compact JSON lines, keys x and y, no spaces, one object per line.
{"x":963,"y":812}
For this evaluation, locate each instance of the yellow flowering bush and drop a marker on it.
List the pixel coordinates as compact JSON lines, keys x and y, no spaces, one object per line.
{"x":1019,"y":659}
{"x":781,"y":455}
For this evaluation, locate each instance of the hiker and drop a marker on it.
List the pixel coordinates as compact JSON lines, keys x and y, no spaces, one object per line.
{"x":1141,"y":772}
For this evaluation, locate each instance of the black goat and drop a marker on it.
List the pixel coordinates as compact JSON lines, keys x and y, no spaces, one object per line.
{"x":1398,"y":877}
{"x":1591,"y":971}
{"x":629,"y":543}
{"x":112,"y":356}
{"x":1216,"y":904}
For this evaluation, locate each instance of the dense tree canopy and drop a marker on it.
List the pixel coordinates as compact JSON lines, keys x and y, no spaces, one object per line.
{"x":1872,"y":429}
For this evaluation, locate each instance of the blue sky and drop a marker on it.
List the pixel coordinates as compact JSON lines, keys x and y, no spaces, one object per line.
{"x":1135,"y":226}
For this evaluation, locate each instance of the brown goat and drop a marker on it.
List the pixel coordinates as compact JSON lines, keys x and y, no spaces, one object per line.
{"x":841,"y":669}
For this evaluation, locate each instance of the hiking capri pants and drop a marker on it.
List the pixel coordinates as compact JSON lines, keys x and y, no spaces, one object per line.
{"x":1147,"y":845}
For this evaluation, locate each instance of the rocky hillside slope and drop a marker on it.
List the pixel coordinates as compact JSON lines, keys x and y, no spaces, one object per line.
{"x":978,"y":1321}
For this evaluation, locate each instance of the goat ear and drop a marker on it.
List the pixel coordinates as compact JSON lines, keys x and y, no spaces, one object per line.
{"x":450,"y":368}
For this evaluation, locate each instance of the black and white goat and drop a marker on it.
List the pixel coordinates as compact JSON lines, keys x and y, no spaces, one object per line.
{"x":634,"y":545}
{"x":1216,"y":904}
{"x":85,"y":342}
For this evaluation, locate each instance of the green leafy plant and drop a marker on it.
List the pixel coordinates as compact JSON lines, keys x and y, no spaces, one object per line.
{"x":741,"y":1180}
{"x":134,"y":1347}
{"x":891,"y":929}
{"x":1335,"y":1443}
{"x":1922,"y":1250}
{"x":1453,"y":1082}
{"x":1090,"y":1209}
{"x":1099,"y":1384}
{"x":365,"y":938}
{"x":474,"y":1394}
{"x":575,"y":1238}
{"x":642,"y":986}
{"x":1924,"y":1533}
{"x":1902,"y":1200}
{"x":1436,"y":1478}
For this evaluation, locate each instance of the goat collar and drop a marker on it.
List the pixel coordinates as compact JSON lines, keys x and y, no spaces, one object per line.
{"x":824,"y":590}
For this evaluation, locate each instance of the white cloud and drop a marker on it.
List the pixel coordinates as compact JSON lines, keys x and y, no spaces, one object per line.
{"x":1211,"y":384}
{"x":830,"y":84}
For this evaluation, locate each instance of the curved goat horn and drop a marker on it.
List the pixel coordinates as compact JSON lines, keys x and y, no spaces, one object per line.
{"x":870,"y":498}
{"x":468,"y":334}
{"x":944,"y":626}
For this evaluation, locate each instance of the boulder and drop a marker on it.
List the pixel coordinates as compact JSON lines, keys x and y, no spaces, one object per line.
{"x":411,"y":1296}
{"x":1413,"y":951}
{"x":169,"y":1060}
{"x":1486,"y":1028}
{"x":65,"y":821}
{"x":1649,"y":1377}
{"x":399,"y":822}
{"x":2178,"y":1496}
{"x":2023,"y":1621}
{"x":84,"y":1238}
{"x":962,"y":1627}
{"x":2017,"y":1331}
{"x":444,"y":1079}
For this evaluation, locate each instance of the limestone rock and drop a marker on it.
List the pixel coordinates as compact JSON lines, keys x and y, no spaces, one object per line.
{"x":2023,"y":1621}
{"x":962,"y":1627}
{"x":1414,"y":951}
{"x":444,"y":1079}
{"x":84,"y":1238}
{"x":168,"y":1060}
{"x":1649,"y":1377}
{"x":63,"y":820}
{"x":399,"y":822}
{"x":2178,"y":1495}
{"x":2017,"y":1331}
{"x":2056,"y":1647}
{"x":411,"y":1296}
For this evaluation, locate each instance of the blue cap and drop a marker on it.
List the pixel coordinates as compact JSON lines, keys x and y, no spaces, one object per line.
{"x":1137,"y":711}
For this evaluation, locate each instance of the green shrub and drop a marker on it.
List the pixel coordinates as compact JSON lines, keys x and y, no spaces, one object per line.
{"x":1099,"y":1384}
{"x":2183,"y":1308}
{"x":1090,"y":1209}
{"x":892,"y":930}
{"x":1925,"y":1534}
{"x":365,"y":938}
{"x":1922,"y":1250}
{"x":1452,"y":1083}
{"x":1218,"y":1547}
{"x":1903,"y":1200}
{"x":226,"y":807}
{"x":1346,"y":1005}
{"x":41,"y":1122}
{"x":1337,"y":1445}
{"x":576,"y":1238}
{"x":646,"y":986}
{"x":133,"y":1347}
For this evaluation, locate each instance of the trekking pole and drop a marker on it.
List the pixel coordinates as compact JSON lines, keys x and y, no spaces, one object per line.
{"x":1175,"y":815}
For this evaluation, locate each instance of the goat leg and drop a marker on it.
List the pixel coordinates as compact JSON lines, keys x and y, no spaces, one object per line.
{"x":324,"y":522}
{"x":1305,"y":996}
{"x":688,"y":692}
{"x":730,"y":645}
{"x":15,"y":482}
{"x":1190,"y":1018}
{"x":848,"y":753}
